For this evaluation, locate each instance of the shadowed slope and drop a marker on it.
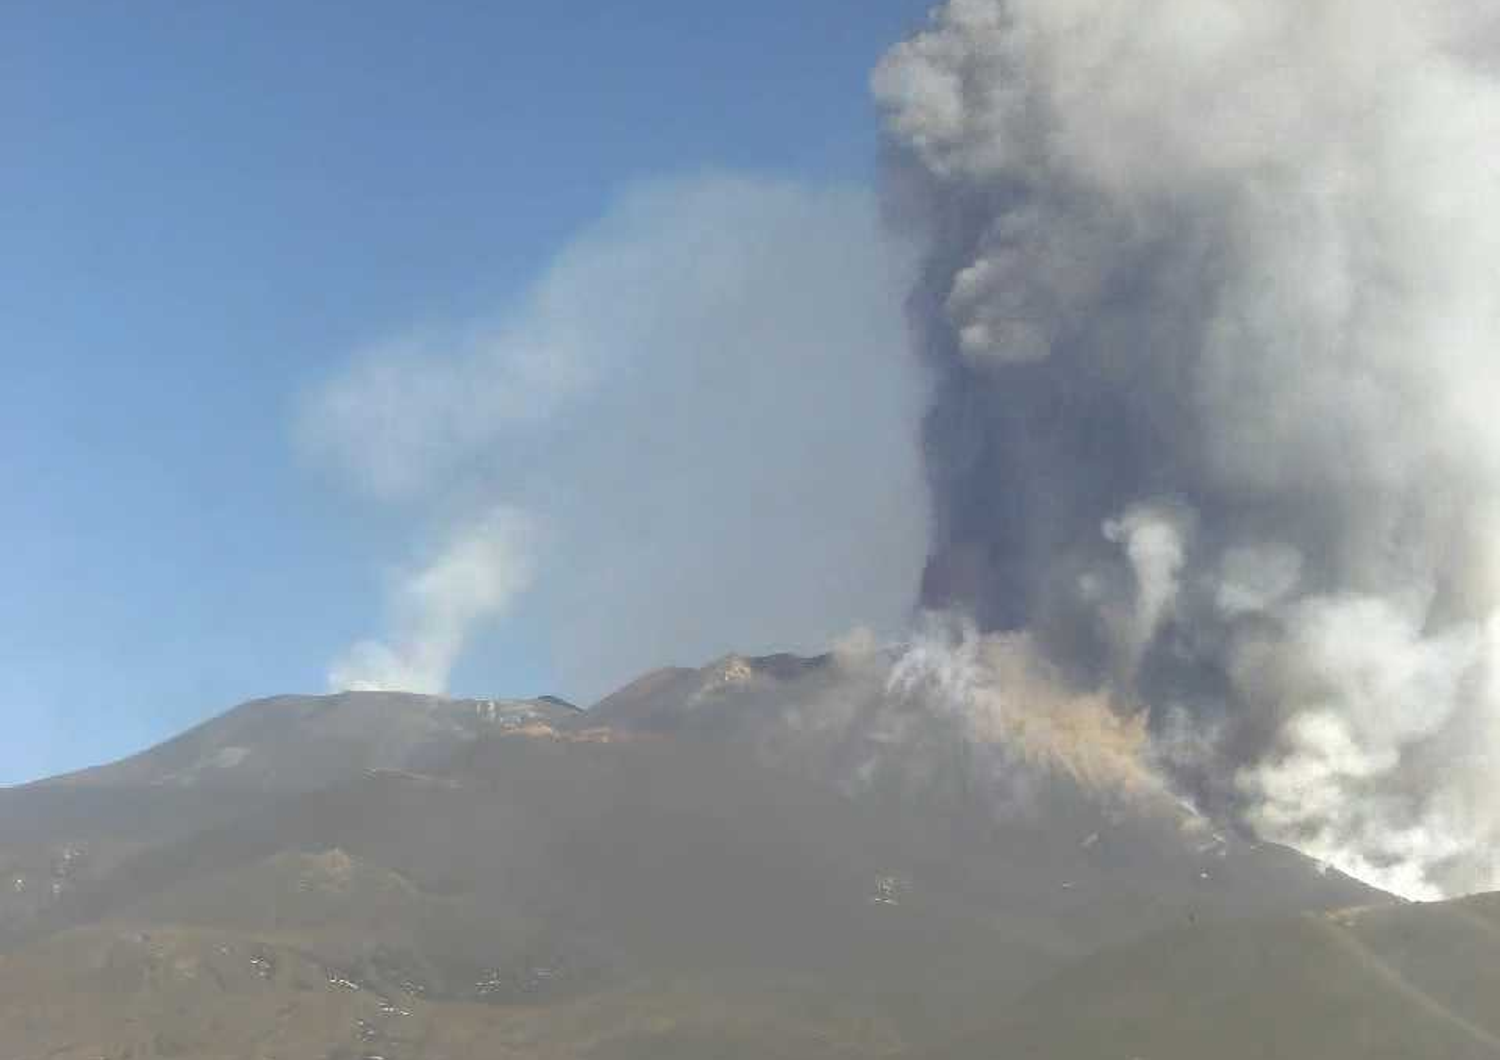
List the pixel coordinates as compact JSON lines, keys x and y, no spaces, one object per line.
{"x":1395,"y":982}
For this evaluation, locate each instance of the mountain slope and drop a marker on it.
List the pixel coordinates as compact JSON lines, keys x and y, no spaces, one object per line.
{"x":301,"y":743}
{"x":69,"y":831}
{"x":1393,"y":982}
{"x":705,"y":864}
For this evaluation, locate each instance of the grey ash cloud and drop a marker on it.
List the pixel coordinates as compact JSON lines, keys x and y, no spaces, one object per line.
{"x":1209,"y":301}
{"x":690,"y":436}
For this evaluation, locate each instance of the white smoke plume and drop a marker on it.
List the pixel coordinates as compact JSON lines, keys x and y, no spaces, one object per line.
{"x":1008,"y":699}
{"x":1210,"y":301}
{"x":696,"y":398}
{"x":474,"y":577}
{"x":947,"y":711}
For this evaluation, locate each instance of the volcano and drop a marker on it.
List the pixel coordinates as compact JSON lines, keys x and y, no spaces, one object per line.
{"x":698,"y":865}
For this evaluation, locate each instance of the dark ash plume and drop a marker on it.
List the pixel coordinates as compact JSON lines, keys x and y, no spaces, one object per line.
{"x":1211,"y":308}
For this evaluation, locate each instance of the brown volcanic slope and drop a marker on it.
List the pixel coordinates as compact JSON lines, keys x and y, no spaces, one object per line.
{"x":1382,"y":983}
{"x":64,"y":833}
{"x":690,"y":870}
{"x":302,"y":743}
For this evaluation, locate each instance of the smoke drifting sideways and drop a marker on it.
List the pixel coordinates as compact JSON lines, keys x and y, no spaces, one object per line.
{"x":1210,"y":300}
{"x":690,"y":436}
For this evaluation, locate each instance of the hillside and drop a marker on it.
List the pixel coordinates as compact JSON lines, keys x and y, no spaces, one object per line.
{"x":674,"y":873}
{"x":1391,"y":982}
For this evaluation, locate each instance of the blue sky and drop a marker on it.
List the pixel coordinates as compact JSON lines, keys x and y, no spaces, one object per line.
{"x":210,"y":209}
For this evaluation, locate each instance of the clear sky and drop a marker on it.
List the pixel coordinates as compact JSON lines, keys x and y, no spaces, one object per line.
{"x":209,"y":209}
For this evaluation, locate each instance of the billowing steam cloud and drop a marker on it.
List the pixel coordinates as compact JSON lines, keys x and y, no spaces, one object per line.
{"x":705,"y":400}
{"x":1009,"y":701}
{"x":474,"y":577}
{"x":1211,"y":300}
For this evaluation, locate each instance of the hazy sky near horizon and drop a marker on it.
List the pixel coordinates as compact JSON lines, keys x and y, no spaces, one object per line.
{"x":209,"y":209}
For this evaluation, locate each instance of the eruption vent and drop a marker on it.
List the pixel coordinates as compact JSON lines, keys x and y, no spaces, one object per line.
{"x":1212,"y":302}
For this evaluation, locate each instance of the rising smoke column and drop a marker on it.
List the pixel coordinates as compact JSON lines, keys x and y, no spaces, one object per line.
{"x":1212,"y":307}
{"x":676,"y":440}
{"x":436,"y":605}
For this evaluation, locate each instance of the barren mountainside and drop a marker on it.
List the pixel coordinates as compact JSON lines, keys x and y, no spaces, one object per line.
{"x":703,"y":865}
